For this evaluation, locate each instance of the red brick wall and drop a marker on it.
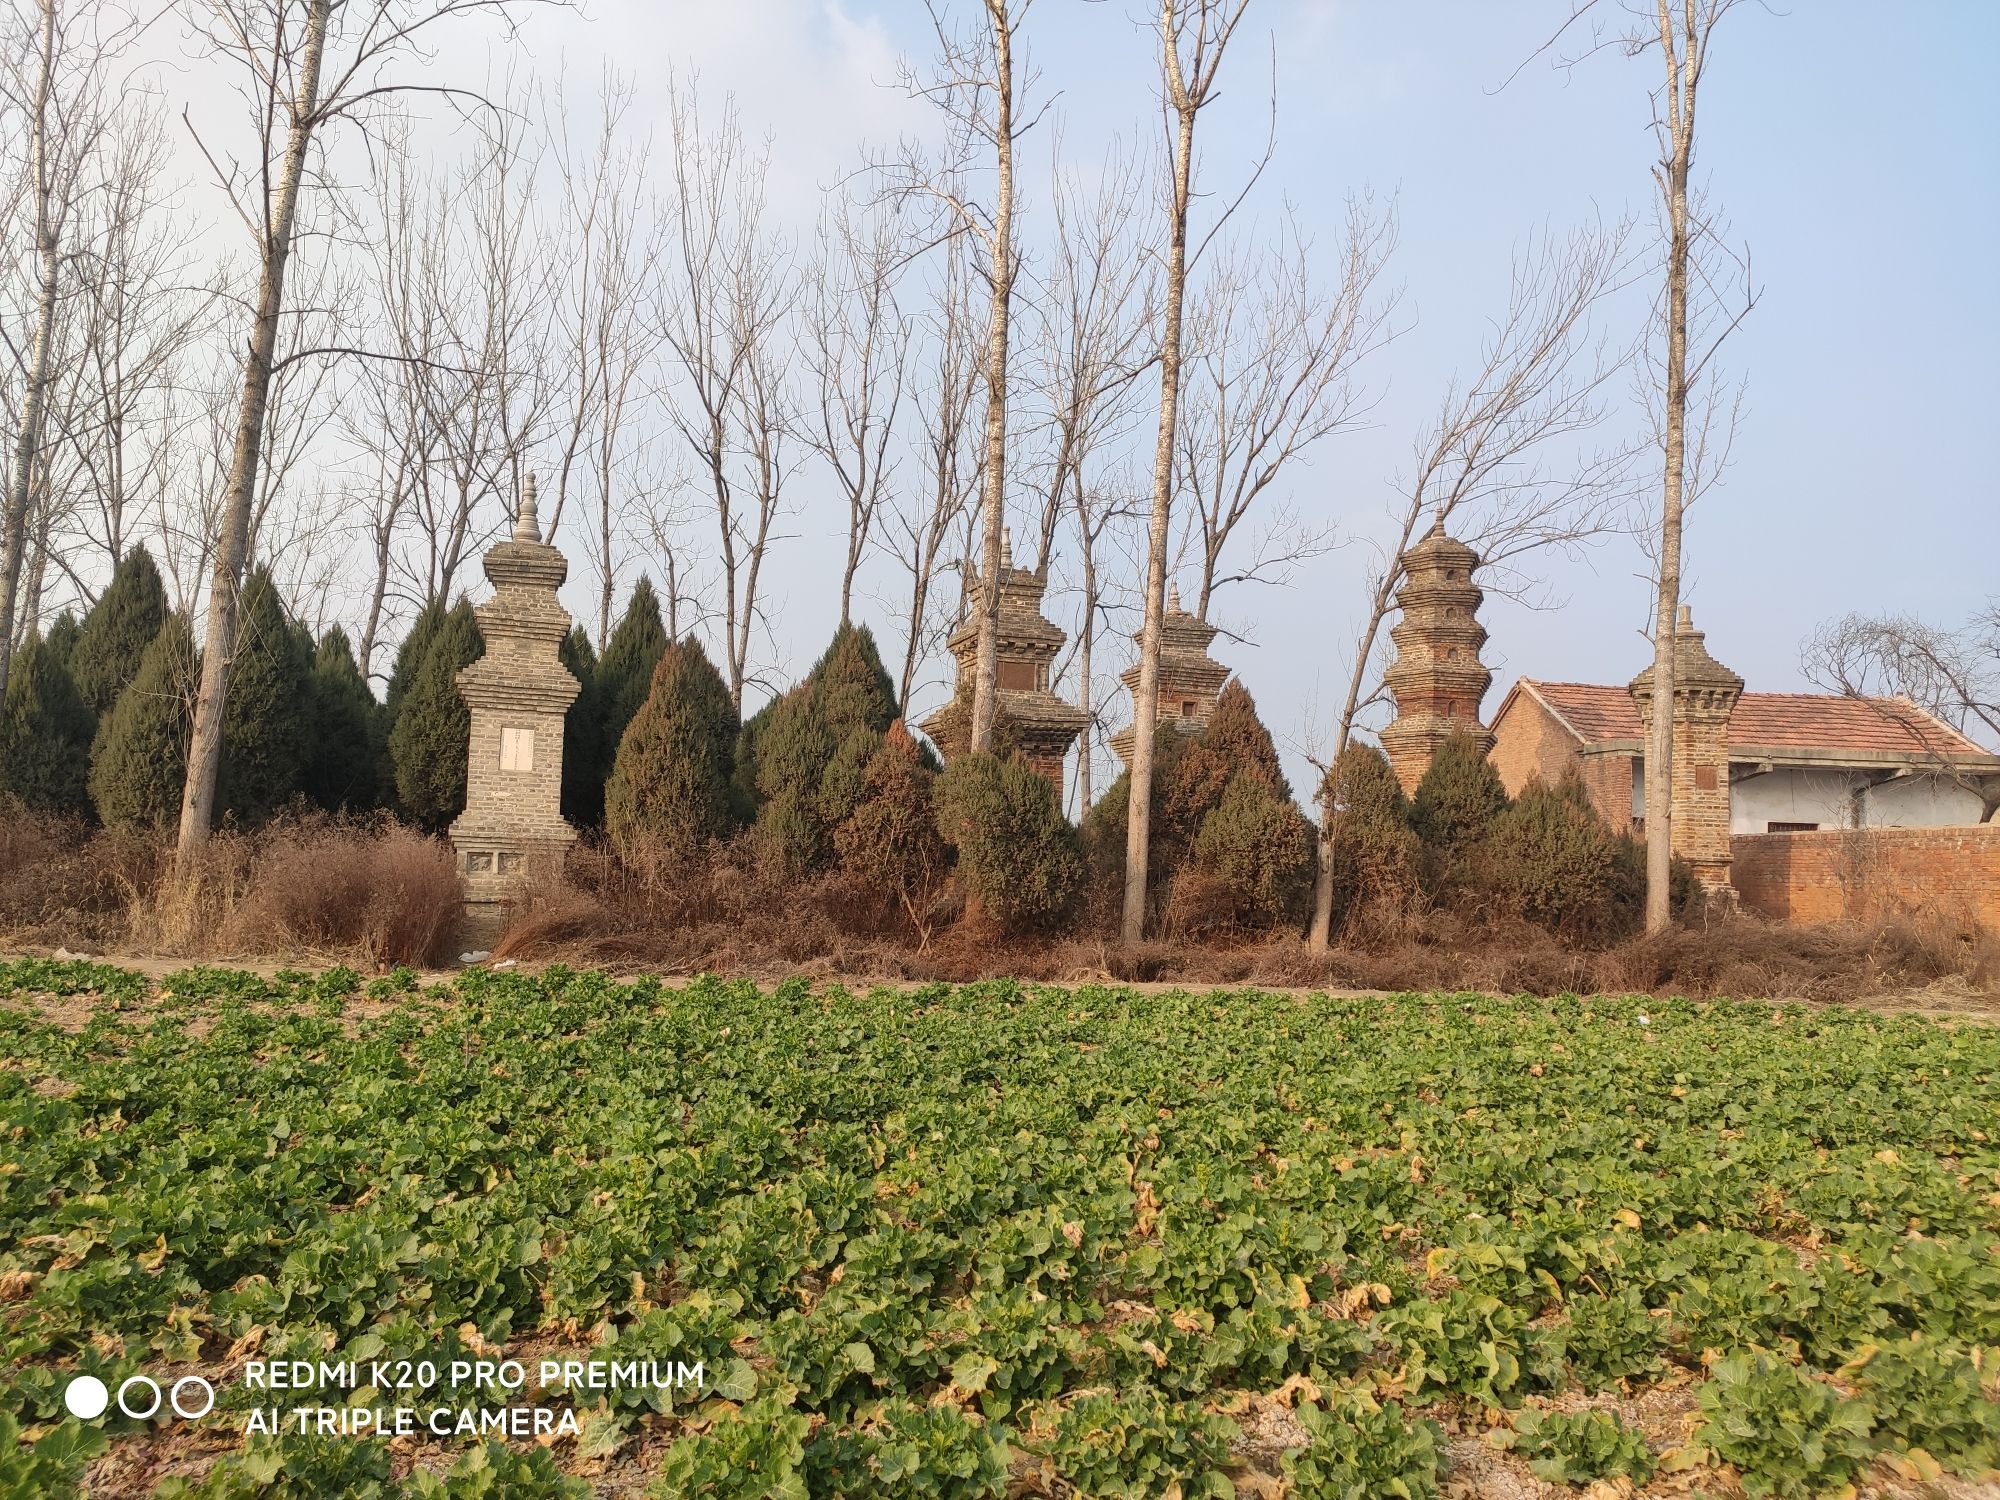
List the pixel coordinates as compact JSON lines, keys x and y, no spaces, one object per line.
{"x":1823,"y":877}
{"x":1528,"y":742}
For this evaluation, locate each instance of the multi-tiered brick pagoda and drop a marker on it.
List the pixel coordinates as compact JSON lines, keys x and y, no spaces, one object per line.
{"x":1437,"y":678}
{"x":1042,"y":725}
{"x":1190,"y":679}
{"x":518,"y":693}
{"x":1705,"y":696}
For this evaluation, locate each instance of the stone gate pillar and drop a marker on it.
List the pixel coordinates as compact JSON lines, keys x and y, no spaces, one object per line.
{"x":518,"y":694}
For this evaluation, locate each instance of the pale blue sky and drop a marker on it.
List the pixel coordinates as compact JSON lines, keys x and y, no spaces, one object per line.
{"x":1853,"y":147}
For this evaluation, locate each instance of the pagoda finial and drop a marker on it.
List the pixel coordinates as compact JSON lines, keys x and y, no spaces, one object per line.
{"x":1686,"y":621}
{"x":528,"y":526}
{"x":1173,"y":596}
{"x":1006,"y":548}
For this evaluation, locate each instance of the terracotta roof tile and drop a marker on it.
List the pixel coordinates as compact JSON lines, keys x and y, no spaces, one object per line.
{"x":1772,"y":721}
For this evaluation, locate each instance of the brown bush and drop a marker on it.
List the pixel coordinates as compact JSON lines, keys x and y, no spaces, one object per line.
{"x":376,"y":890}
{"x":62,"y":883}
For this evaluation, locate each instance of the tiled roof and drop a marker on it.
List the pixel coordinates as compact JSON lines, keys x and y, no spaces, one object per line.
{"x":1771,"y":721}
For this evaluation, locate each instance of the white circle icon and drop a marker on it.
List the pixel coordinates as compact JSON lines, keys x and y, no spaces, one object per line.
{"x":207,"y":1394}
{"x":151,"y":1385}
{"x":86,"y":1397}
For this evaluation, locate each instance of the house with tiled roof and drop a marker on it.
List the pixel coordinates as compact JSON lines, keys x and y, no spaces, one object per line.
{"x":1797,"y":762}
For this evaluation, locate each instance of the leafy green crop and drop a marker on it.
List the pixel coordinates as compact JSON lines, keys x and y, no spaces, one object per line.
{"x":1577,"y":1447}
{"x":959,"y":1241}
{"x":1790,"y":1434}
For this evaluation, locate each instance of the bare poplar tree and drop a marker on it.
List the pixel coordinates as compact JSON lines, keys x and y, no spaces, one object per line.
{"x":723,"y":315}
{"x":603,"y":245}
{"x":308,"y":65}
{"x":1508,"y":463}
{"x":138,"y":309}
{"x":1091,"y":321}
{"x":980,"y":84}
{"x":855,"y":340}
{"x":921,"y":517}
{"x":1272,"y":362}
{"x":1194,"y":35}
{"x":53,"y":82}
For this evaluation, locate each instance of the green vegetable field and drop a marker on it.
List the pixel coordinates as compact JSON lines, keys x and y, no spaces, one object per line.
{"x":998,"y":1239}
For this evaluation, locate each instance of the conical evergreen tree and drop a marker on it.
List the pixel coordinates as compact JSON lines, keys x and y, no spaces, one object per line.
{"x":1234,"y":743}
{"x":342,"y":752}
{"x":44,"y":734}
{"x":1017,"y":854}
{"x":1459,"y":797}
{"x":138,"y":762}
{"x":117,"y":631}
{"x":669,"y":791}
{"x":266,"y":722}
{"x":890,"y":845}
{"x":853,"y":687}
{"x":1375,"y":852}
{"x":625,"y":671}
{"x":433,"y":727}
{"x":584,"y":758}
{"x":410,"y":655}
{"x":60,"y":641}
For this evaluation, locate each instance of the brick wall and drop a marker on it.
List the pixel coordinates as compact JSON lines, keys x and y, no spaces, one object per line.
{"x":1528,"y":742}
{"x":1827,"y":876}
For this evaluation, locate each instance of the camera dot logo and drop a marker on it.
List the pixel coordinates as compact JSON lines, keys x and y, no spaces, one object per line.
{"x":139,"y":1397}
{"x":85,"y":1397}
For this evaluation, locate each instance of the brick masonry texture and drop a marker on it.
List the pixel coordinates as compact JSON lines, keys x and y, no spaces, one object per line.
{"x":1836,"y":875}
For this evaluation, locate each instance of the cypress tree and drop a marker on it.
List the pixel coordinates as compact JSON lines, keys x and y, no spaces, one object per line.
{"x":585,"y":759}
{"x":266,"y":723}
{"x":44,"y":734}
{"x":1551,"y":858}
{"x":669,"y":790}
{"x":1017,"y":854}
{"x":1459,"y":797}
{"x":410,"y":655}
{"x":1254,"y":857}
{"x":342,"y":754}
{"x":853,"y":686}
{"x":138,"y":762}
{"x":60,"y":642}
{"x":433,"y":727}
{"x":1375,"y":851}
{"x":890,"y":844}
{"x":1234,"y":743}
{"x":117,"y":631}
{"x":625,"y":671}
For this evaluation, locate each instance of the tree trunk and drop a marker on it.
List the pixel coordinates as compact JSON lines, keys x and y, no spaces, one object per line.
{"x":1660,"y":747}
{"x":28,"y":438}
{"x":219,"y":643}
{"x":986,"y":661}
{"x":1146,"y":700}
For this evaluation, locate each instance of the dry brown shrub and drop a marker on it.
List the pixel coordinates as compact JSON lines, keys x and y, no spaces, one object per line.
{"x":64,"y":884}
{"x":373,"y":889}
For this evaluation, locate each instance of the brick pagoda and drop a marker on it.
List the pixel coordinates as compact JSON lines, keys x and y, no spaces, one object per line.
{"x":518,"y":693}
{"x":1043,"y":725}
{"x":1190,"y":679}
{"x":1705,"y":695}
{"x":1437,"y":679}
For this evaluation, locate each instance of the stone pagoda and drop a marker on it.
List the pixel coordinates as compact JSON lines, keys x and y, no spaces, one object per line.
{"x":518,"y":693}
{"x":1190,"y":679}
{"x":1042,"y":725}
{"x":1437,"y":679}
{"x":1705,"y":694}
